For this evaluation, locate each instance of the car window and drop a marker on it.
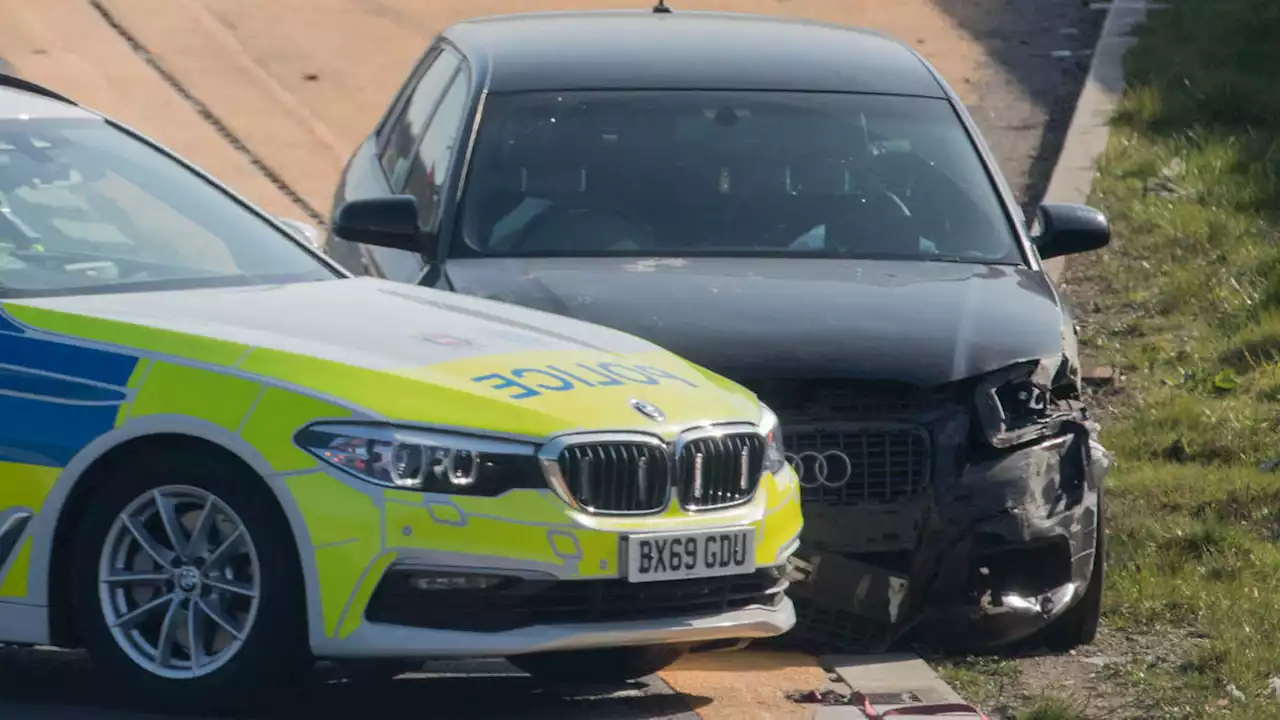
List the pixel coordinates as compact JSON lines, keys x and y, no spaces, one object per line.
{"x":406,"y":132}
{"x":427,"y":176}
{"x":84,"y":207}
{"x":736,"y":173}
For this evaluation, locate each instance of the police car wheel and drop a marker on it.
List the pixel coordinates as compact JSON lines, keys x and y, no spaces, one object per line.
{"x":608,"y":665}
{"x":185,"y":582}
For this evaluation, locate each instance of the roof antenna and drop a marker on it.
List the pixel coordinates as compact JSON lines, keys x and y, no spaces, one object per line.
{"x":661,"y":7}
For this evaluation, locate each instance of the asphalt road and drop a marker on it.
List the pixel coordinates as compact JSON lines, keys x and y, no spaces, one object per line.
{"x":38,"y":684}
{"x":1021,"y":89}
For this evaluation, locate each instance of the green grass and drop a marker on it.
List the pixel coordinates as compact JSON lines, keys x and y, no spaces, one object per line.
{"x":1052,"y":707}
{"x":1187,"y":304}
{"x":987,"y":681}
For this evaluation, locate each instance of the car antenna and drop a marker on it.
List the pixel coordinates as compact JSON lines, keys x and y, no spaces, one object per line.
{"x":661,"y":7}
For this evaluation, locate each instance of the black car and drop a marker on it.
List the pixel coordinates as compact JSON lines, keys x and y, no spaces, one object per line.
{"x":809,"y":210}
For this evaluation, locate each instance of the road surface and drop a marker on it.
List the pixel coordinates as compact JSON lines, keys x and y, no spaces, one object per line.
{"x":271,"y":96}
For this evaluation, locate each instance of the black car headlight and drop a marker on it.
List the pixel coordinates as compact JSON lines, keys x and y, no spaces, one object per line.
{"x":424,"y":460}
{"x":775,"y":454}
{"x":1014,"y":404}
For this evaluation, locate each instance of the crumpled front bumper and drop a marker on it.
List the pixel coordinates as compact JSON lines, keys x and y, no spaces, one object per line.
{"x":1001,"y":547}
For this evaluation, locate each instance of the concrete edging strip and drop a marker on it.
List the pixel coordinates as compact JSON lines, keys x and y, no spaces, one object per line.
{"x":1090,"y":128}
{"x":897,"y":673}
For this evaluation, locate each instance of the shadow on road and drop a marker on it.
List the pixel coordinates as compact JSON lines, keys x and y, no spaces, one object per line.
{"x":56,"y":685}
{"x":1029,"y":42}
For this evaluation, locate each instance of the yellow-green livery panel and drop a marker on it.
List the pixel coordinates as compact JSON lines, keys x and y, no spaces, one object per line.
{"x":256,"y":365}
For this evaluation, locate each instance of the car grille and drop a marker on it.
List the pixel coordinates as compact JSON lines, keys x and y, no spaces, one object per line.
{"x":862,"y":465}
{"x":570,"y":601}
{"x":618,"y":477}
{"x":636,"y":477}
{"x":720,"y":470}
{"x":821,"y":629}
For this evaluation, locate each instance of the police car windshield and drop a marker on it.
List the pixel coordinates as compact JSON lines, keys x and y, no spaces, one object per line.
{"x":84,"y":208}
{"x":670,"y":173}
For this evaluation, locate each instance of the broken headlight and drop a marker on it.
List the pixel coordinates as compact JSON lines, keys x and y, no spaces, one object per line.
{"x":1015,"y":404}
{"x":775,"y":455}
{"x":427,"y":461}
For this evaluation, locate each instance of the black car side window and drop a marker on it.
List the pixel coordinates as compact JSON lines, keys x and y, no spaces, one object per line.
{"x":431,"y":167}
{"x":406,"y":131}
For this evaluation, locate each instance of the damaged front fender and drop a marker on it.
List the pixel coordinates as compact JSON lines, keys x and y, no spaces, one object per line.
{"x":1027,"y":529}
{"x":1005,"y":546}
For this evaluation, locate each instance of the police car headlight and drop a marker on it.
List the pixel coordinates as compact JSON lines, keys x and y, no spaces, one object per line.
{"x":423,"y":460}
{"x":775,"y":455}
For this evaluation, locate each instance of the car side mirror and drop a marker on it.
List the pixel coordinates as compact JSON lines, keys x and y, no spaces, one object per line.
{"x":1067,"y":229}
{"x":304,"y":231}
{"x":390,"y":222}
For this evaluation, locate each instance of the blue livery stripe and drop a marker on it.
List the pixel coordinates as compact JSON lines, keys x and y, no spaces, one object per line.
{"x":25,"y":382}
{"x":84,"y":363}
{"x":37,"y":432}
{"x":7,"y":325}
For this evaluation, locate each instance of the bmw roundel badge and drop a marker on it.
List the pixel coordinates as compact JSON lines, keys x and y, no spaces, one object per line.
{"x":648,"y":410}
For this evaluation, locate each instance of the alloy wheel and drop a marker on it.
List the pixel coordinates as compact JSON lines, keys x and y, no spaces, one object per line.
{"x":179,"y":582}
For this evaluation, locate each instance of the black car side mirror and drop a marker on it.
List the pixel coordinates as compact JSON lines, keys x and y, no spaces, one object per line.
{"x":390,"y":222}
{"x":1069,"y":229}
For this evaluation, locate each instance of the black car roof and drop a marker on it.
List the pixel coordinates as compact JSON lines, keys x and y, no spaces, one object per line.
{"x":687,"y":50}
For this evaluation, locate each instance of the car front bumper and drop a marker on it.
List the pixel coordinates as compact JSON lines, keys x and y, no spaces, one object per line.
{"x":377,"y":640}
{"x":999,"y":548}
{"x":354,"y":537}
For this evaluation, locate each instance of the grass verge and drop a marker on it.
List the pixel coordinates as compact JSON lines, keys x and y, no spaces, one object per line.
{"x":1187,"y":304}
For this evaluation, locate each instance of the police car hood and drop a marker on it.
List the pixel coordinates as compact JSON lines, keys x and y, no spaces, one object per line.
{"x":407,"y":353}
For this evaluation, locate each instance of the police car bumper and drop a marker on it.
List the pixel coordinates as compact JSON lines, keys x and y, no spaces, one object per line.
{"x":411,"y":614}
{"x":425,"y":576}
{"x":382,"y":640}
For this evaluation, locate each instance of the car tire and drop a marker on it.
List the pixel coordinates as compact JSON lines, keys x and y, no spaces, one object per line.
{"x":1079,"y":624}
{"x":608,"y":665}
{"x":237,"y":585}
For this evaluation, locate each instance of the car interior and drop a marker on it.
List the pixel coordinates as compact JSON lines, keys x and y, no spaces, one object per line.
{"x":607,"y":177}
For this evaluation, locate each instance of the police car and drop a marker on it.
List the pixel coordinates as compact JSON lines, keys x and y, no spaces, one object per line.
{"x":222,"y":458}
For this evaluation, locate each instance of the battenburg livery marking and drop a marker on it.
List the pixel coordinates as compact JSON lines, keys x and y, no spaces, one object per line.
{"x":55,"y":397}
{"x":527,"y":382}
{"x":73,"y":361}
{"x":7,"y":325}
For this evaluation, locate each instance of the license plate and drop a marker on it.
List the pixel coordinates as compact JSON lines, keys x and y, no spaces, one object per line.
{"x":675,"y":556}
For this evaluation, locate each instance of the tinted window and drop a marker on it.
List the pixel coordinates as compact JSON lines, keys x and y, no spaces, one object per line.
{"x":739,"y":173}
{"x":87,"y":208}
{"x":438,"y":145}
{"x":407,"y":129}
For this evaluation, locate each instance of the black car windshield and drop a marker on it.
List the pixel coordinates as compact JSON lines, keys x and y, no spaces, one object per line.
{"x":671,"y":173}
{"x":85,"y":207}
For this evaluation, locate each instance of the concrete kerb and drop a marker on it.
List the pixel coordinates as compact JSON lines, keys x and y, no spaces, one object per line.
{"x":1090,"y":127}
{"x":890,"y":681}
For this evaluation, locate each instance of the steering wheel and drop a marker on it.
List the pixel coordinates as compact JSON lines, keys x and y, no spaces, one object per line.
{"x":923,"y":185}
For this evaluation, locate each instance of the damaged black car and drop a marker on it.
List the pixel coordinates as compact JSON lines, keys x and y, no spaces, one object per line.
{"x":810,"y":211}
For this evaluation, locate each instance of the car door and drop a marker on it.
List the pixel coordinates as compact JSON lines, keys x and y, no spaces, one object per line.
{"x":382,"y":164}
